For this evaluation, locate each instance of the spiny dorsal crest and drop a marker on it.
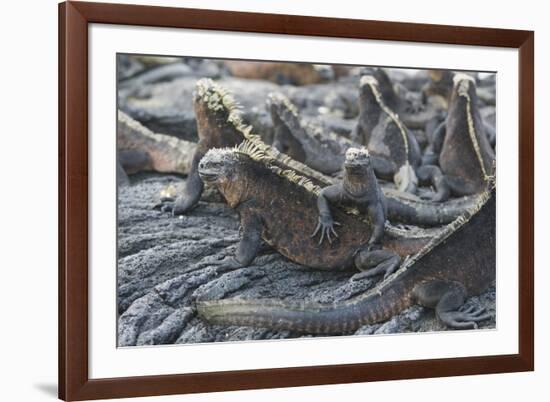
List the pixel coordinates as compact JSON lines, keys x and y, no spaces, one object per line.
{"x":217,"y":98}
{"x":260,"y":154}
{"x":462,"y":84}
{"x":372,"y":82}
{"x":279,"y":99}
{"x":447,"y":231}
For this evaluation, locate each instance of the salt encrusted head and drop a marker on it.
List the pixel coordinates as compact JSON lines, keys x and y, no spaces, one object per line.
{"x":462,"y":82}
{"x":213,"y":95}
{"x":218,"y":164}
{"x":368,"y":80}
{"x":276,"y":101}
{"x":357,"y":157}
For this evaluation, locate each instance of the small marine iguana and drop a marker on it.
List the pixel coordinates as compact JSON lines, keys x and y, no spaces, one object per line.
{"x":266,"y":195}
{"x":457,"y":264}
{"x":461,"y":146}
{"x":358,"y":189}
{"x":325,"y":151}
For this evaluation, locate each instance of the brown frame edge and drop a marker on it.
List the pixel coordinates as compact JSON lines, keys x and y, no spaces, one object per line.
{"x":74,"y":382}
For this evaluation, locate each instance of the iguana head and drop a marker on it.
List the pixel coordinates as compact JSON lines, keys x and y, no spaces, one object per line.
{"x":463,"y":83}
{"x":368,"y":86}
{"x":357,"y":159}
{"x":218,"y":165}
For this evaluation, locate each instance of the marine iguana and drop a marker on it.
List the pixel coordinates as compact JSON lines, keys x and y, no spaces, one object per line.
{"x":325,"y":151}
{"x":303,"y":140}
{"x":265,"y":195}
{"x":359,"y":189}
{"x":140,"y":149}
{"x":457,"y":264}
{"x":220,"y":124}
{"x":413,"y":107}
{"x":464,"y":153}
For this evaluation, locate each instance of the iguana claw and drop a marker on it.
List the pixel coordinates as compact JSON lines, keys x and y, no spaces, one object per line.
{"x":326,"y":227}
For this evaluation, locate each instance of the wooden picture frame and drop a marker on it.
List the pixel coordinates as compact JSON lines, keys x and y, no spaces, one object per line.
{"x":74,"y":381}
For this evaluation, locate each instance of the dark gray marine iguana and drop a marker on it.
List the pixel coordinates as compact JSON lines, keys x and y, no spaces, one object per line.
{"x":456,"y":264}
{"x":358,"y":189}
{"x":395,"y":152}
{"x":220,"y":124}
{"x":381,"y":130}
{"x":412,"y":107}
{"x":303,"y":140}
{"x":280,"y":206}
{"x":460,"y":147}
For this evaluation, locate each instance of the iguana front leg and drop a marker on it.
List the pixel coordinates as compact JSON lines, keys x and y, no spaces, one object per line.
{"x":378,"y":220}
{"x":447,"y":298}
{"x":431,"y":156}
{"x":326,"y":224}
{"x":251,"y":239}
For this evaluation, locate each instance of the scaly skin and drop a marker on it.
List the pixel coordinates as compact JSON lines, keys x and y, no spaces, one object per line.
{"x":280,"y":207}
{"x":412,"y":107}
{"x":457,"y":264}
{"x":385,"y":135}
{"x":395,"y":152}
{"x":464,"y":152}
{"x":358,"y":189}
{"x":220,"y":124}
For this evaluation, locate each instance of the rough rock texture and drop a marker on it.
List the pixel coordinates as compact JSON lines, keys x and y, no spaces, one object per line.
{"x":165,"y":263}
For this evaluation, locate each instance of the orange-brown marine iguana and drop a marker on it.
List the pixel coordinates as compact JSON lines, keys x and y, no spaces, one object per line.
{"x":456,"y":264}
{"x":266,"y":195}
{"x":220,"y":124}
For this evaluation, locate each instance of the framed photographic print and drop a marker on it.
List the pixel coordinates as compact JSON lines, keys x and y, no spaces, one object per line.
{"x":259,"y":200}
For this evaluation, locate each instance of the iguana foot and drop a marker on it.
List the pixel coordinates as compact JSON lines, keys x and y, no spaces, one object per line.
{"x":375,"y":262}
{"x":448,"y":300}
{"x":178,"y":206}
{"x":325,"y":226}
{"x":464,"y":318}
{"x":432,"y":175}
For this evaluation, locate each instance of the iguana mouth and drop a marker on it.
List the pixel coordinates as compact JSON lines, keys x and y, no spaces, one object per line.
{"x":208,"y":175}
{"x":355,"y":166}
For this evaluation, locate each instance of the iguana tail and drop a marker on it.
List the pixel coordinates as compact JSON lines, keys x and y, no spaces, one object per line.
{"x":338,"y":318}
{"x":411,"y":210}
